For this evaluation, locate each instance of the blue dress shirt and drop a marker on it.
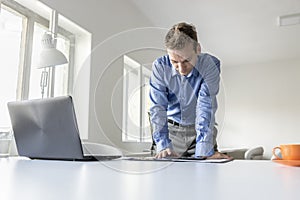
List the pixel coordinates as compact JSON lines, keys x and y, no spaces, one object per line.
{"x":188,"y":100}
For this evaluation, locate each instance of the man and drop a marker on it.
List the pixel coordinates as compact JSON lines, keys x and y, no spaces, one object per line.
{"x":183,"y":88}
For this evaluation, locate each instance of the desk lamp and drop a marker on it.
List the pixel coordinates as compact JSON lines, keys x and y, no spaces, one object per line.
{"x":50,"y":57}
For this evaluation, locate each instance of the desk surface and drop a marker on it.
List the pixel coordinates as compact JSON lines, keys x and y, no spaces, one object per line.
{"x":115,"y":180}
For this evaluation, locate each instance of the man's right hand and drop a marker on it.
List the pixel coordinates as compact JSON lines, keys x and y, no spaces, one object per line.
{"x":166,"y":153}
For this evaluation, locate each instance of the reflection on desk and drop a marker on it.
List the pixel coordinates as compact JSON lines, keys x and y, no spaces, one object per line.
{"x":122,"y":179}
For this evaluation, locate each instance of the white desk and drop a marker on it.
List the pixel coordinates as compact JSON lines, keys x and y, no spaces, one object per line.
{"x":122,"y":180}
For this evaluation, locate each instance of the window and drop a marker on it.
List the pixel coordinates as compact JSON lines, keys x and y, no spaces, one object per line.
{"x":11,"y":24}
{"x":21,"y":30}
{"x":136,"y":104}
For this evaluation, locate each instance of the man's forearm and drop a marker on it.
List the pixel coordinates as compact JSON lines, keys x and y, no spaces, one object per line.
{"x":160,"y":127}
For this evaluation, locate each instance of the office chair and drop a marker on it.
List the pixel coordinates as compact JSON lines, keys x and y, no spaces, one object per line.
{"x":255,"y":153}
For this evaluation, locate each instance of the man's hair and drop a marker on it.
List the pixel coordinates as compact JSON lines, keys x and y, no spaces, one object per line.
{"x":180,"y":35}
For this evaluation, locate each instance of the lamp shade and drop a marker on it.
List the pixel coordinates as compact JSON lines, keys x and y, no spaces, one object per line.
{"x":50,"y":56}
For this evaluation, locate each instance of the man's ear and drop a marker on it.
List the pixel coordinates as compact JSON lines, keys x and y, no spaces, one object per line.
{"x":198,"y":48}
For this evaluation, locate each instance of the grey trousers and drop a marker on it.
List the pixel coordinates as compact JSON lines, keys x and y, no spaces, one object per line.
{"x":184,"y":139}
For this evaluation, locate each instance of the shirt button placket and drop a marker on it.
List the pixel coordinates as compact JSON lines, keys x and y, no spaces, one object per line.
{"x":182,"y":99}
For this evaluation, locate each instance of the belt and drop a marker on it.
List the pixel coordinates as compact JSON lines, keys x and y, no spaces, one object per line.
{"x":177,"y":124}
{"x":173,"y":122}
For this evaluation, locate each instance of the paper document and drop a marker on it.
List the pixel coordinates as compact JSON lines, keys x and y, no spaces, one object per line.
{"x":180,"y":159}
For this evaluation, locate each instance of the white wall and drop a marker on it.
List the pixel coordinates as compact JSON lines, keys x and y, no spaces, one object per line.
{"x":105,"y":20}
{"x":262,"y":105}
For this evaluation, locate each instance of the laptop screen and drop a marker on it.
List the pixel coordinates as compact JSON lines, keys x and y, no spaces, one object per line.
{"x":46,"y":128}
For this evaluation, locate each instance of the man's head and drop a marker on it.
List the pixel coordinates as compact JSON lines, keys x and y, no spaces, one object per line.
{"x":182,"y":47}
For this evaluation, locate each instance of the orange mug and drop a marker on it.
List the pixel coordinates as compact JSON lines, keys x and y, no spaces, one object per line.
{"x":288,"y":152}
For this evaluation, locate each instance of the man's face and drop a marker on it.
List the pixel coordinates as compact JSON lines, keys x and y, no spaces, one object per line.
{"x":184,"y":59}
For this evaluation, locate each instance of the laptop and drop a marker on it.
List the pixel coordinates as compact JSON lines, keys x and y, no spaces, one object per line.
{"x":47,"y":129}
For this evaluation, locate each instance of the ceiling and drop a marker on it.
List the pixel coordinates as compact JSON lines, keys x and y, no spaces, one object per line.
{"x":239,"y":32}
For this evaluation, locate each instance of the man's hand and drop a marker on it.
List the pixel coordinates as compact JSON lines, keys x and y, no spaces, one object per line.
{"x":219,"y":155}
{"x":166,"y":153}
